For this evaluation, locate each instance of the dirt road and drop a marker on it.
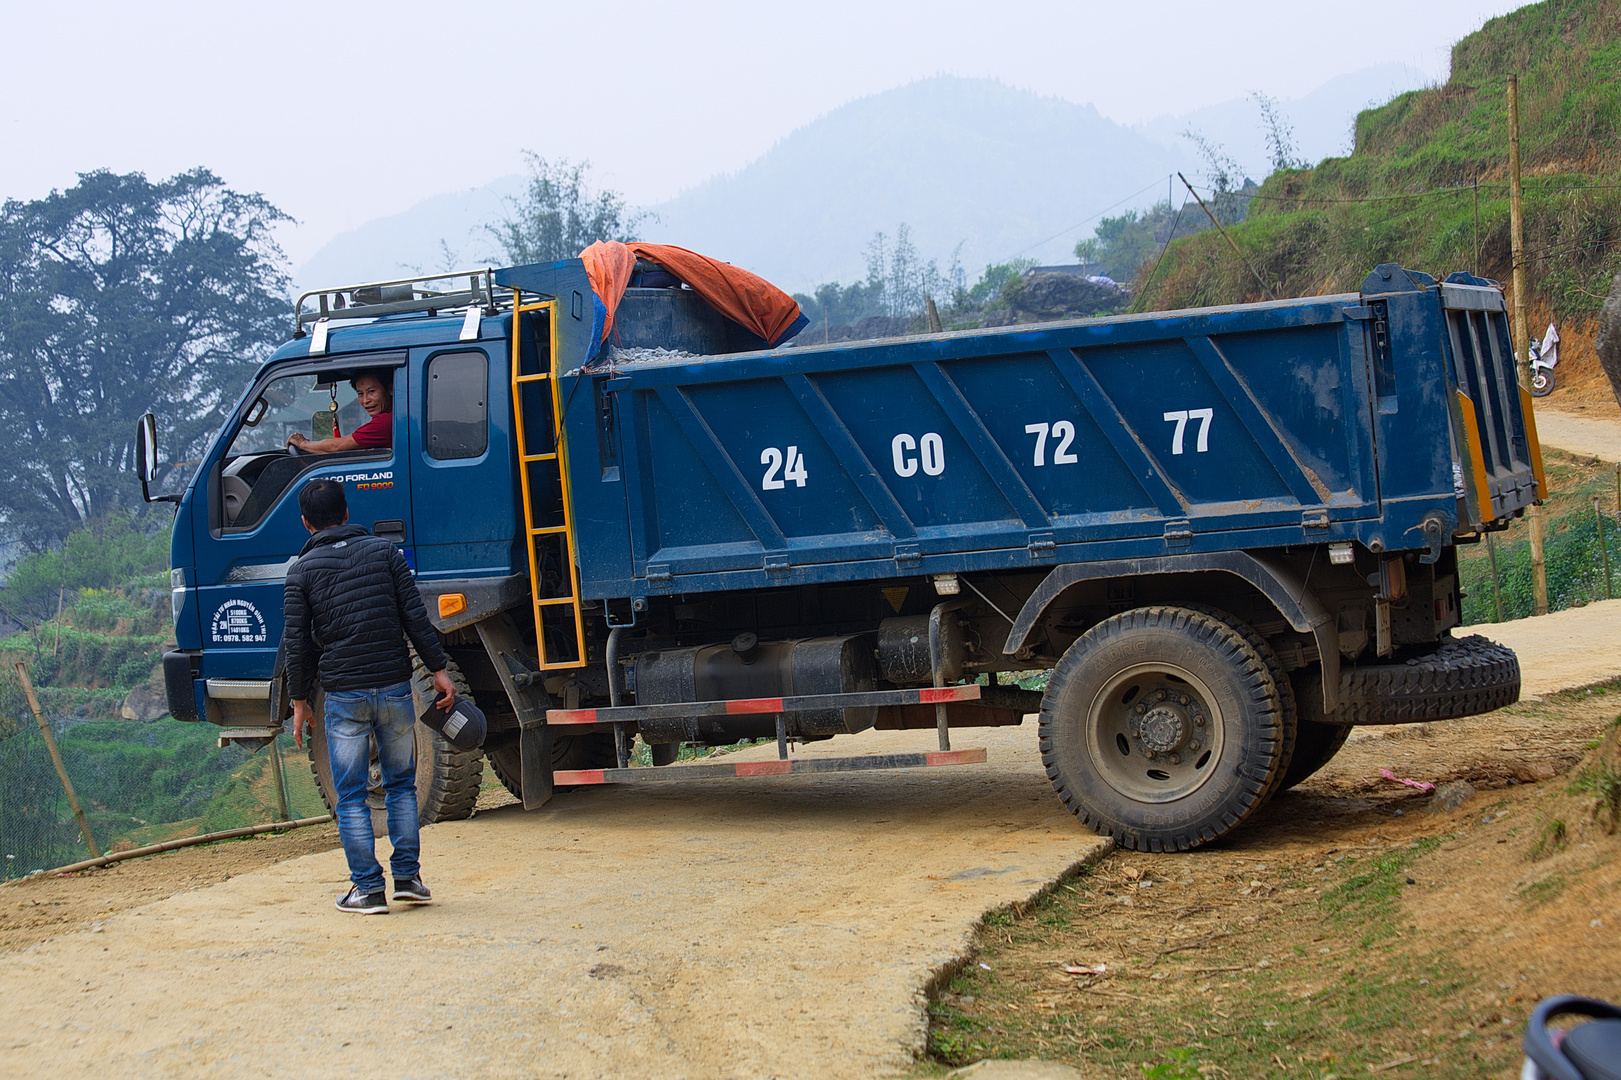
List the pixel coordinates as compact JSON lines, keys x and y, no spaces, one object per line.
{"x":769,"y":927}
{"x":1592,"y":433}
{"x":773,"y":927}
{"x":1564,"y":649}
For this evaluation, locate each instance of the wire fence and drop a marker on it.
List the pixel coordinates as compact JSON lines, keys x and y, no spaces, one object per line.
{"x":1581,"y":560}
{"x":138,"y":783}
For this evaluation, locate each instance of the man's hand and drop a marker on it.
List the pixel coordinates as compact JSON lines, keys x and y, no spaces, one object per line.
{"x":303,"y":717}
{"x":442,"y":683}
{"x":298,"y":440}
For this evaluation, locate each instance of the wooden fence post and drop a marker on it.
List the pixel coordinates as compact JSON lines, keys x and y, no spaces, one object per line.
{"x":56,"y":757}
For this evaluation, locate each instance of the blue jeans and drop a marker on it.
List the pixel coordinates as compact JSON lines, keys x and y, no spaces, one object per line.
{"x":354,"y":718}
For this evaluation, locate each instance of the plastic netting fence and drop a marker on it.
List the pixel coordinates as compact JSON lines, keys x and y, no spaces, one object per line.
{"x":139,"y":783}
{"x":37,"y":830}
{"x":1573,"y":562}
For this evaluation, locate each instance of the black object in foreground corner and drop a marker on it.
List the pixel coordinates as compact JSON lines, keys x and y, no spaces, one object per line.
{"x":1590,"y":1051}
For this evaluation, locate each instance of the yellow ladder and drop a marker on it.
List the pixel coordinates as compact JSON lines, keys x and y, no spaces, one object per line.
{"x":558,"y":457}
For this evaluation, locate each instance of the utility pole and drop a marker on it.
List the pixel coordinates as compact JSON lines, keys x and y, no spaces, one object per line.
{"x":279,"y":775}
{"x":1259,"y":280}
{"x":1522,"y":362}
{"x":1516,"y":222}
{"x":1497,"y":588}
{"x":1477,"y":234}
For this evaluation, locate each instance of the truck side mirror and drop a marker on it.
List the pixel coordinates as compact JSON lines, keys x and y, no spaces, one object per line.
{"x":146,"y":450}
{"x":146,"y":458}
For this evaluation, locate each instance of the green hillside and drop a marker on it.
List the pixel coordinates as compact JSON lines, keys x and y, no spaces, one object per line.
{"x":1426,"y":184}
{"x":97,"y":617}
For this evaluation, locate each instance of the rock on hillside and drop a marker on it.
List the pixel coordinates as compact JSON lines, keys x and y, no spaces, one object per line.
{"x":1608,"y":343}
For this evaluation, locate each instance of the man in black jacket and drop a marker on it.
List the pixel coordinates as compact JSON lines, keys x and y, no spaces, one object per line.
{"x":349,"y":605}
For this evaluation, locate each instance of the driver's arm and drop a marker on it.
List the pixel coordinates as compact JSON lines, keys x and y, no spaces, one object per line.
{"x":323,"y":446}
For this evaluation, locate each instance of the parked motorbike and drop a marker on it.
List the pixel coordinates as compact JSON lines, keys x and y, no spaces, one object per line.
{"x":1589,"y":1051}
{"x":1544,"y":358}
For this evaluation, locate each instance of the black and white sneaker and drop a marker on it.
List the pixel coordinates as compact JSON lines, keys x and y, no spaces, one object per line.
{"x":412,"y":889}
{"x":363,"y":903}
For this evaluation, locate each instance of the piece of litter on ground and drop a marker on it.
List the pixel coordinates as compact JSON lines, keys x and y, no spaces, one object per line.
{"x":1076,"y":969}
{"x":1422,"y":785}
{"x":987,"y":967}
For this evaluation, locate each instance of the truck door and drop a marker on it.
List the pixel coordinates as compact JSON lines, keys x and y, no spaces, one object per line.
{"x":253,"y":529}
{"x":464,"y":492}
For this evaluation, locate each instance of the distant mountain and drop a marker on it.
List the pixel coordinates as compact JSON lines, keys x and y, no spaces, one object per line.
{"x":1001,"y":171}
{"x":414,"y":240}
{"x":973,"y":161}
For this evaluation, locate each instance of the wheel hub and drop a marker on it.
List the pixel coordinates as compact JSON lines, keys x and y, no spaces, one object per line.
{"x":1154,"y":732}
{"x":1162,"y":729}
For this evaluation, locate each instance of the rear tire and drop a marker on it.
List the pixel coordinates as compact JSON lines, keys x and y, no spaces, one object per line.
{"x":1289,"y":712}
{"x":593,"y":751}
{"x":1180,"y":685}
{"x":1316,"y":743}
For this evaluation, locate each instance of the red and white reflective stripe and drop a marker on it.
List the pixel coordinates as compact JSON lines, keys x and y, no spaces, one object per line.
{"x":955,"y":757}
{"x":753,"y":706}
{"x":578,"y":777}
{"x":632,"y":714}
{"x":935,"y":695}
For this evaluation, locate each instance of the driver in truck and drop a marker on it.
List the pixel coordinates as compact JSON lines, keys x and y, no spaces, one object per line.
{"x":371,"y":390}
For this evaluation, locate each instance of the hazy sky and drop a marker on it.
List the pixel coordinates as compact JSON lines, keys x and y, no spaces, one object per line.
{"x":343,"y":112}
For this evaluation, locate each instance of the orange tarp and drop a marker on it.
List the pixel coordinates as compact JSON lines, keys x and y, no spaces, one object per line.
{"x":745,"y":298}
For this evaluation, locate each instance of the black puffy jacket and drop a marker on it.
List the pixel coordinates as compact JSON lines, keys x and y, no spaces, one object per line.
{"x":350,"y":603}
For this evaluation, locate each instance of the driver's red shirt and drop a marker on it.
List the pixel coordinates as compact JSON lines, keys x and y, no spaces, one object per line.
{"x":376,"y":433}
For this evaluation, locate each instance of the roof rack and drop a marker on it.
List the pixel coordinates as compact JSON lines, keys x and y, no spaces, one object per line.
{"x":401,"y":295}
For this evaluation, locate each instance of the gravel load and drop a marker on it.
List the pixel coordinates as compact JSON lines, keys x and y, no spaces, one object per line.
{"x":619,"y":357}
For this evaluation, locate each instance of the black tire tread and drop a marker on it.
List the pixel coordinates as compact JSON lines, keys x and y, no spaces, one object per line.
{"x":452,"y":791}
{"x":1288,"y":710}
{"x":1464,"y":677}
{"x":1254,"y":789}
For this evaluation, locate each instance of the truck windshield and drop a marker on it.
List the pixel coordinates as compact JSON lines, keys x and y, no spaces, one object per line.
{"x":298,"y":403}
{"x":258,"y":468}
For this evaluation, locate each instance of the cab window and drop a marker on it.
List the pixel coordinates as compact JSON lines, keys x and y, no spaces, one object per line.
{"x":259,"y":466}
{"x":454,"y":421}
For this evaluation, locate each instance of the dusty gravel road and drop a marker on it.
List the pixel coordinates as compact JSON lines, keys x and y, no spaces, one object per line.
{"x":1598,"y":435}
{"x":770,"y":927}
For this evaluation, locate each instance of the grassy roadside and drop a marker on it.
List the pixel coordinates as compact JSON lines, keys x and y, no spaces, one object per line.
{"x":1348,"y":932}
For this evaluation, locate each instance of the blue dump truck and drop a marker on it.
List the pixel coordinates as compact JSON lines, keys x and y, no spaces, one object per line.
{"x":1228,"y":533}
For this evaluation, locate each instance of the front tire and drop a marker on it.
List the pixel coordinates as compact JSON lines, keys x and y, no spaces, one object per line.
{"x":447,"y":780}
{"x":1162,"y":728}
{"x":1542,"y":383}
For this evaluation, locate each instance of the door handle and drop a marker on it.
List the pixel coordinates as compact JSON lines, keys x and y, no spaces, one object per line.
{"x":389,"y":529}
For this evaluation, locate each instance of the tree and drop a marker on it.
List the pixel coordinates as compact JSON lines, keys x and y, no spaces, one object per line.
{"x":118,"y":296}
{"x":1280,"y":134}
{"x":1123,"y":245}
{"x":1230,"y":200}
{"x":897,"y":274}
{"x":559,"y":215}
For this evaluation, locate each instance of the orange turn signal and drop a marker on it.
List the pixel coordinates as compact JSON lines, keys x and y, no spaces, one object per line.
{"x":451,"y":603}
